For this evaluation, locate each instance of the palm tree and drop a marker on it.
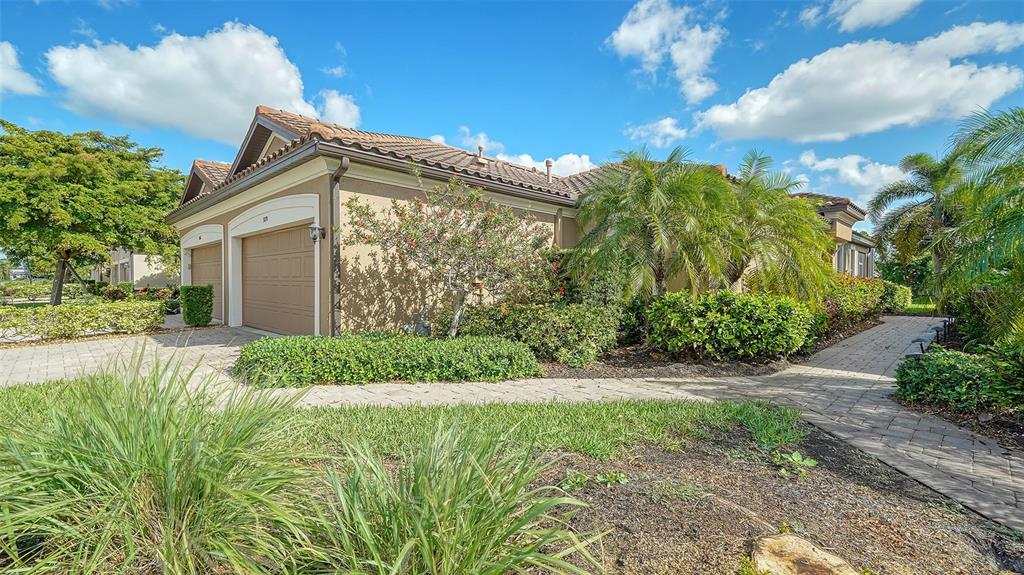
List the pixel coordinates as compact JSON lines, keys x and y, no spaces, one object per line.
{"x":917,"y":213}
{"x":783,"y":237}
{"x":655,"y":221}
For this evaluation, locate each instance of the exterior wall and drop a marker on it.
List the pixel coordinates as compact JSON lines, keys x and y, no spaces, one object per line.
{"x":854,"y":259}
{"x":314,"y":179}
{"x":149,"y":274}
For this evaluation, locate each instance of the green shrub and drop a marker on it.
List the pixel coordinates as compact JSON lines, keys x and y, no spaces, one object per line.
{"x":1007,"y":357}
{"x":116,"y":292}
{"x":172,"y":306}
{"x":23,"y":289}
{"x":354,"y":359}
{"x":849,"y":301}
{"x":460,"y":504}
{"x":952,"y":378}
{"x":572,"y":334}
{"x":727,"y":325}
{"x":97,"y":288}
{"x":197,"y":304}
{"x":895,"y":297}
{"x":74,"y":320}
{"x":147,"y":472}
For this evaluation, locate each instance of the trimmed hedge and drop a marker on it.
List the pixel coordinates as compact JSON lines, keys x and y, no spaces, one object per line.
{"x":297,"y":361}
{"x":895,"y":297}
{"x":571,"y":334}
{"x":964,"y":381}
{"x":73,"y":320}
{"x":197,"y":304}
{"x":727,"y":325}
{"x":849,"y":301}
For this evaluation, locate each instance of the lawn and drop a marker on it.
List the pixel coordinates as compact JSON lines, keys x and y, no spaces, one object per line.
{"x":668,"y":486}
{"x":921,"y":306}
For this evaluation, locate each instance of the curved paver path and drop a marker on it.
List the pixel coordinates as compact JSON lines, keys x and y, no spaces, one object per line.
{"x":843,"y":389}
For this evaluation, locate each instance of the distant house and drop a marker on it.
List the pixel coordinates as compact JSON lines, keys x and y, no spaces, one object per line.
{"x":127,"y":266}
{"x":855,"y":253}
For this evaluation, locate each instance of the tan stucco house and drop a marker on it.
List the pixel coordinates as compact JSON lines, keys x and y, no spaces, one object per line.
{"x":855,"y":252}
{"x":143,"y":271}
{"x":265,"y":230}
{"x":261,"y":229}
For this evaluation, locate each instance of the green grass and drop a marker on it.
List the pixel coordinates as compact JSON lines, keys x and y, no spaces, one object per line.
{"x":601,"y":430}
{"x":28,"y":304}
{"x":921,"y":306}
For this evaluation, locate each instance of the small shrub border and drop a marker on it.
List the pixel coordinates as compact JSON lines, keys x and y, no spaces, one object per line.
{"x":297,"y":361}
{"x":571,"y":334}
{"x":895,"y":297}
{"x":74,"y":320}
{"x":727,"y":325}
{"x":197,"y":304}
{"x":964,"y":381}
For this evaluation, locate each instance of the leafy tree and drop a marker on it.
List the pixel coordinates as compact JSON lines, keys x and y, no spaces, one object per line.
{"x":459,"y":239}
{"x":654,"y":221}
{"x":75,"y":197}
{"x":782,"y":236}
{"x":916,"y":214}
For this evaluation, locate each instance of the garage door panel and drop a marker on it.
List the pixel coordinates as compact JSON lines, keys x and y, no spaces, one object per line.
{"x":278,"y":281}
{"x":206,"y":269}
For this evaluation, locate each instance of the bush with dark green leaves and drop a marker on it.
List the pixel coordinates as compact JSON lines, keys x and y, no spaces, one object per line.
{"x":172,"y":306}
{"x":197,"y":304}
{"x":964,"y":381}
{"x":74,"y":320}
{"x":849,"y":301}
{"x":895,"y":297}
{"x":572,"y":334}
{"x":727,"y":325}
{"x":297,"y":361}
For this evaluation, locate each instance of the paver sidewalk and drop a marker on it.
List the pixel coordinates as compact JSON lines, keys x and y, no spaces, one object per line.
{"x":843,"y":389}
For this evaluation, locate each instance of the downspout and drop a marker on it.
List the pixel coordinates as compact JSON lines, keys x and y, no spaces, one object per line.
{"x":335,"y":245}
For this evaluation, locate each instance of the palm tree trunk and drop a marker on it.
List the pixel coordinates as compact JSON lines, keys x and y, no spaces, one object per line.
{"x":660,"y":273}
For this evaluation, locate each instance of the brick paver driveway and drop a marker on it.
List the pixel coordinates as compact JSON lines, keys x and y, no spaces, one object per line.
{"x":844,"y":390}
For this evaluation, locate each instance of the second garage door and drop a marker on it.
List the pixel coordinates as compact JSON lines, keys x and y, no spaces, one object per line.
{"x":277,"y":281}
{"x":206,"y":269}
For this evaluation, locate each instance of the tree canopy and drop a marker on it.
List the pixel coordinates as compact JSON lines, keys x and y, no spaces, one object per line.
{"x":71,"y":198}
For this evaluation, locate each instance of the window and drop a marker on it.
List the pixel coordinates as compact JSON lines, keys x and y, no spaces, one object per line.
{"x":841,"y":258}
{"x":861,"y":262}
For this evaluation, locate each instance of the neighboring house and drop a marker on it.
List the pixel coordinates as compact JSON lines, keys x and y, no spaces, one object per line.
{"x":126,"y":266}
{"x":855,"y":253}
{"x":265,"y":230}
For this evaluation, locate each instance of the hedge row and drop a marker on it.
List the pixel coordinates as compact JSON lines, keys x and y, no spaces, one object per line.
{"x":572,"y":334}
{"x":727,"y":325}
{"x":895,"y":297}
{"x":965,"y":381}
{"x":73,"y":320}
{"x":197,"y":304}
{"x":297,"y":361}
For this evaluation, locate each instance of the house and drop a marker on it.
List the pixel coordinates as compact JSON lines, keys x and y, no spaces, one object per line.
{"x":127,"y":266}
{"x":265,"y":230}
{"x":855,"y":253}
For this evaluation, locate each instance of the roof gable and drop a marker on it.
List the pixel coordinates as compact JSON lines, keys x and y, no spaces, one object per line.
{"x":203,"y":178}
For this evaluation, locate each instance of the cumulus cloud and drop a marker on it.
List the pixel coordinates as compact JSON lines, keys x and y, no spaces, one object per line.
{"x":13,"y":79}
{"x":206,"y":86}
{"x":437,"y":139}
{"x":660,"y":133}
{"x":339,"y":109}
{"x":862,"y":174}
{"x":656,"y":30}
{"x":853,"y":15}
{"x":865,"y":87}
{"x":564,"y":165}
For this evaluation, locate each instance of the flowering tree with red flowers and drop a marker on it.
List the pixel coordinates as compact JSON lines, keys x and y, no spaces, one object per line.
{"x":460,"y":240}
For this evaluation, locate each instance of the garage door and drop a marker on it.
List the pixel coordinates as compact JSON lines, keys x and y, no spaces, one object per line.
{"x":206,"y":269}
{"x":277,"y":281}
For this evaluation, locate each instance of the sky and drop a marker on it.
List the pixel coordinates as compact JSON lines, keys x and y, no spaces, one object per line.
{"x":835,"y":91}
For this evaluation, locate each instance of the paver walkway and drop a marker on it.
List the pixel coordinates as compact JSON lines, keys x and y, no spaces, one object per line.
{"x":843,"y":389}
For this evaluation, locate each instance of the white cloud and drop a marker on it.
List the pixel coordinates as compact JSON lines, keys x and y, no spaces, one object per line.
{"x":660,"y":134}
{"x":862,"y":174}
{"x":856,"y":14}
{"x":340,"y":109}
{"x":564,"y":165}
{"x":12,"y":78}
{"x":811,"y":15}
{"x":335,"y":71}
{"x":865,"y":87}
{"x":207,"y":86}
{"x":654,"y":30}
{"x":437,"y":139}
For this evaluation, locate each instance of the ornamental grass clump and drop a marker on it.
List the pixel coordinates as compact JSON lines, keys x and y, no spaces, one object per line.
{"x":460,"y":505}
{"x":148,"y":471}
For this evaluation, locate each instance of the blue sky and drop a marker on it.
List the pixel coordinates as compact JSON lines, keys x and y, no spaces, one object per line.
{"x":836,"y":91}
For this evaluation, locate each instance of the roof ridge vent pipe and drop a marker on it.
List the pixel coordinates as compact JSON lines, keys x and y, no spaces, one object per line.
{"x":480,"y":156}
{"x":547,"y":164}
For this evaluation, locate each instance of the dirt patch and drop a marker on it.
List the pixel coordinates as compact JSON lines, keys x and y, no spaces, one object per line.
{"x":641,"y":361}
{"x":696,"y":511}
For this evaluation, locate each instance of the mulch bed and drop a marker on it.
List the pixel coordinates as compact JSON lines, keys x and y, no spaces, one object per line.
{"x":641,"y":361}
{"x":696,"y":510}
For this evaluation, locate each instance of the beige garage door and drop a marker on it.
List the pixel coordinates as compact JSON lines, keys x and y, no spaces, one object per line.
{"x":206,"y":269}
{"x":277,"y":281}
